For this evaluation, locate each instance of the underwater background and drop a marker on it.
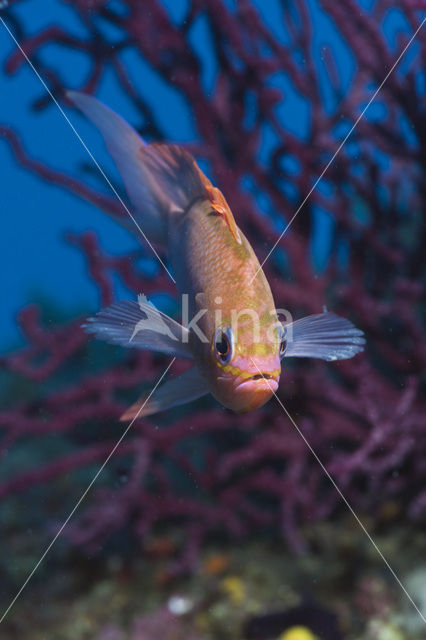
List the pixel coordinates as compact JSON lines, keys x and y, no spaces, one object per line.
{"x":205,"y":524}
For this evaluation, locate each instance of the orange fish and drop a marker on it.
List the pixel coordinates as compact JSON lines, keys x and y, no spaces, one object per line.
{"x":231,"y":330}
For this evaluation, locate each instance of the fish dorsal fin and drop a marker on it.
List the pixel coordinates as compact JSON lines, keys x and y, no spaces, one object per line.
{"x":221,"y":208}
{"x":173,"y":175}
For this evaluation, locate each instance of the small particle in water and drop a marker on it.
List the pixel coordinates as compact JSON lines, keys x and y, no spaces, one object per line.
{"x":179,"y":605}
{"x":4,"y":4}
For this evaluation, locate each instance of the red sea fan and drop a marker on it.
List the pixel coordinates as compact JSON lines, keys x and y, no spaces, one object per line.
{"x":207,"y":469}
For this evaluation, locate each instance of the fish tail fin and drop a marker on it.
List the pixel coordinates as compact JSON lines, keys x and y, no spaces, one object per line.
{"x":160,"y":179}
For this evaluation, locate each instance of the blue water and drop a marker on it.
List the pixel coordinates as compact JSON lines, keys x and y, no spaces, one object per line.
{"x":36,"y":261}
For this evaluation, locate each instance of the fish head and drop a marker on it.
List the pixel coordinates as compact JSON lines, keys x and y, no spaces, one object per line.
{"x":245,"y":360}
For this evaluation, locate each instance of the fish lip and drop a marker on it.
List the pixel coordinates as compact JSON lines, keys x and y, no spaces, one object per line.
{"x":242,"y":394}
{"x":267,"y":382}
{"x":262,"y":376}
{"x":265,"y":375}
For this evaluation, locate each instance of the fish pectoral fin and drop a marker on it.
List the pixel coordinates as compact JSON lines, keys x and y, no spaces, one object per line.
{"x":323,"y":335}
{"x":189,"y":386}
{"x":140,"y":325}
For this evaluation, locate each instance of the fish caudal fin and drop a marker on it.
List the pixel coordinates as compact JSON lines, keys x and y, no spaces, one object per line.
{"x":160,"y":179}
{"x":140,"y":325}
{"x":323,"y":335}
{"x":177,"y":391}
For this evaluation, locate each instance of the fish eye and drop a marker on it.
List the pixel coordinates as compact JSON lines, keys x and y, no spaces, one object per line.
{"x":223,"y":345}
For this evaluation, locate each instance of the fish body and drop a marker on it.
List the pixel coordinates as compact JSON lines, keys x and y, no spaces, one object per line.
{"x":231,"y":330}
{"x":217,"y":269}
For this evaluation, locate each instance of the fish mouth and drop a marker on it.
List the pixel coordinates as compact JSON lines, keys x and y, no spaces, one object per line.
{"x":262,"y":382}
{"x":270,"y":379}
{"x":262,"y":376}
{"x":259,"y":382}
{"x":247,"y":392}
{"x":251,"y":393}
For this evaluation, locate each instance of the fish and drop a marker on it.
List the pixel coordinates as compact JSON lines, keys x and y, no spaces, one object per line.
{"x":231,"y":332}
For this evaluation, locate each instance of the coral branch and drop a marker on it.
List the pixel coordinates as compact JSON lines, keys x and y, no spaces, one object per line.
{"x":208,"y":470}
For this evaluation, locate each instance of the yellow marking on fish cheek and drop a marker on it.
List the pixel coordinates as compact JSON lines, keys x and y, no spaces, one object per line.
{"x":228,"y":368}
